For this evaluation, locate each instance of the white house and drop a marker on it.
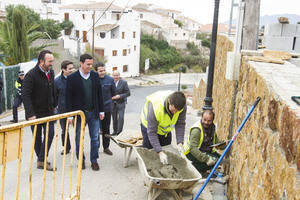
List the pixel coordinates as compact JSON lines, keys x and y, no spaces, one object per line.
{"x":188,"y":23}
{"x":159,"y":22}
{"x":48,"y":9}
{"x":116,"y":34}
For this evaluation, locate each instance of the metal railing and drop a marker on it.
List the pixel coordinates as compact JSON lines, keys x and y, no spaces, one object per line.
{"x":11,"y":136}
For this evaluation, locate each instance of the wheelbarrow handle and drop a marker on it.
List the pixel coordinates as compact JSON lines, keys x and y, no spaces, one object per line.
{"x":113,"y":139}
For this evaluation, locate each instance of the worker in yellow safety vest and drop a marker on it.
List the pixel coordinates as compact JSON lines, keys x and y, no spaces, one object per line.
{"x":197,"y":147}
{"x":18,"y":96}
{"x":163,"y":111}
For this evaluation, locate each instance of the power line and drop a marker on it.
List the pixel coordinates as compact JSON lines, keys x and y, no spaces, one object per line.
{"x":98,"y":18}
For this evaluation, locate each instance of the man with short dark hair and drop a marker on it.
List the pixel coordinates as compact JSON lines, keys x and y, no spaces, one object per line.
{"x":84,"y":93}
{"x":18,"y":97}
{"x":39,"y":101}
{"x":163,"y":111}
{"x":108,"y":91}
{"x":197,"y":147}
{"x":60,"y":82}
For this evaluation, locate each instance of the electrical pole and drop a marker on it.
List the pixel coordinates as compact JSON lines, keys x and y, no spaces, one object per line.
{"x":93,"y":39}
{"x":251,"y":24}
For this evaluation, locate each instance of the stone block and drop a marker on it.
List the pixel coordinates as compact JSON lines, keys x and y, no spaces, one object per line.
{"x":289,"y":30}
{"x":298,"y":30}
{"x":297,"y":44}
{"x":273,"y":30}
{"x":279,"y":43}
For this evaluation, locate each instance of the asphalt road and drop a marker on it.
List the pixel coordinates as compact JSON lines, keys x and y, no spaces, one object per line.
{"x":112,"y":182}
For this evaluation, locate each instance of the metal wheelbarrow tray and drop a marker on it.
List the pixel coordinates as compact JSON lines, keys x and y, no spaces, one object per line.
{"x":121,"y":139}
{"x":156,"y":185}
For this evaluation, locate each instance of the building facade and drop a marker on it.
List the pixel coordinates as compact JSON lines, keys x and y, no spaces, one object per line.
{"x":116,"y":35}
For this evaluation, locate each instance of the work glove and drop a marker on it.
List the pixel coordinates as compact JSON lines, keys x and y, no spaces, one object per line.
{"x":163,"y":158}
{"x":180,"y":148}
{"x":211,"y":161}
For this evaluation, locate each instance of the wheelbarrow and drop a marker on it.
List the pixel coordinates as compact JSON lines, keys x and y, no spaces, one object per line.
{"x":127,"y":140}
{"x":157,"y":185}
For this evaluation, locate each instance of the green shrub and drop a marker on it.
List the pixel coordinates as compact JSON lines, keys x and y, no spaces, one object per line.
{"x":183,"y":87}
{"x":179,"y":23}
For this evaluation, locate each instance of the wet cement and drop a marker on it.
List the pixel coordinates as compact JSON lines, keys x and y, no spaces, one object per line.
{"x":176,"y":169}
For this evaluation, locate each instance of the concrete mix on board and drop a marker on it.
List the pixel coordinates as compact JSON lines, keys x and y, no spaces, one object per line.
{"x":176,"y":169}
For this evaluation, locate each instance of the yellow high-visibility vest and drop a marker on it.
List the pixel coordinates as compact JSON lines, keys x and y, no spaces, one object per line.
{"x":165,"y":123}
{"x":187,"y":143}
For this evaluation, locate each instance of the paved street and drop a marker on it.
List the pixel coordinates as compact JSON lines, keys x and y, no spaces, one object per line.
{"x":112,"y":182}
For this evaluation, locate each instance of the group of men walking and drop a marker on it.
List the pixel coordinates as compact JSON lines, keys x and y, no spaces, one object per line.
{"x":98,"y":95}
{"x":101,"y":98}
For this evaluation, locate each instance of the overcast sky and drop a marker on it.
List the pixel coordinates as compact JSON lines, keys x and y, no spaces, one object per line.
{"x":202,"y":10}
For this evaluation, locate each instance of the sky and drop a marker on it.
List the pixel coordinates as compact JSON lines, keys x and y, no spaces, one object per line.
{"x":202,"y":10}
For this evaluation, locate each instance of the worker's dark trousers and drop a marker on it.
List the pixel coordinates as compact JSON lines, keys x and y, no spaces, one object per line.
{"x":105,"y":124}
{"x":17,"y":103}
{"x":201,"y":166}
{"x":162,"y":139}
{"x":63,"y":134}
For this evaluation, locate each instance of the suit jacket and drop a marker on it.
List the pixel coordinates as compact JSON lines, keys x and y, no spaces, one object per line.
{"x":123,"y":90}
{"x":38,"y":93}
{"x":75,"y":93}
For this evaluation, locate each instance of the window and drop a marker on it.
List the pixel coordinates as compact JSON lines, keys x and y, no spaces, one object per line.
{"x":124,"y":52}
{"x":77,"y":33}
{"x":128,"y":51}
{"x":125,"y":68}
{"x":183,"y":34}
{"x":115,"y":68}
{"x":118,"y":16}
{"x":83,"y":16}
{"x":175,"y":34}
{"x":134,"y":34}
{"x":84,"y":36}
{"x":123,"y":35}
{"x":66,"y":16}
{"x":102,"y":35}
{"x":114,"y":53}
{"x":134,"y":47}
{"x":141,"y":16}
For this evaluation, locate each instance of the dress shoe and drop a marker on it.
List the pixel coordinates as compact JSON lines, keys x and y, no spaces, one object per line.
{"x":62,"y":152}
{"x":95,"y":166}
{"x":114,"y":134}
{"x":108,"y":151}
{"x":40,"y":165}
{"x":83,"y":165}
{"x":14,"y":121}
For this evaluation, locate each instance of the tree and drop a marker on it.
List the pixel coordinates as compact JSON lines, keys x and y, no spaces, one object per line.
{"x":50,"y":26}
{"x":16,"y":37}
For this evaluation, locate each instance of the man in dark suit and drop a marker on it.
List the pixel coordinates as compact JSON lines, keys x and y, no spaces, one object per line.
{"x":60,"y":83}
{"x":119,"y":103}
{"x":108,"y":89}
{"x":39,"y":101}
{"x":84,"y":93}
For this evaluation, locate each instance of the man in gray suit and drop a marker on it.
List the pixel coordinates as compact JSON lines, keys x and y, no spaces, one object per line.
{"x":119,"y":103}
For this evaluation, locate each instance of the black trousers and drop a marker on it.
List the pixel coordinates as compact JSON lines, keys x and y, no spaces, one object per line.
{"x":105,"y":127}
{"x":118,"y":112}
{"x":40,"y":140}
{"x":63,"y":134}
{"x":162,"y":139}
{"x":17,"y":103}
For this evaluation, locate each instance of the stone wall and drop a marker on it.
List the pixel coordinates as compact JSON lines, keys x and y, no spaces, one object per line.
{"x":265,"y":158}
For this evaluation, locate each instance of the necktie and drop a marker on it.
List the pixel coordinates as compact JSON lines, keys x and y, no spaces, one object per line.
{"x":48,"y":76}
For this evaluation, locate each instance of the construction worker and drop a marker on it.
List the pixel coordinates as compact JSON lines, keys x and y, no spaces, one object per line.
{"x":18,"y":97}
{"x":197,"y":147}
{"x":163,"y":111}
